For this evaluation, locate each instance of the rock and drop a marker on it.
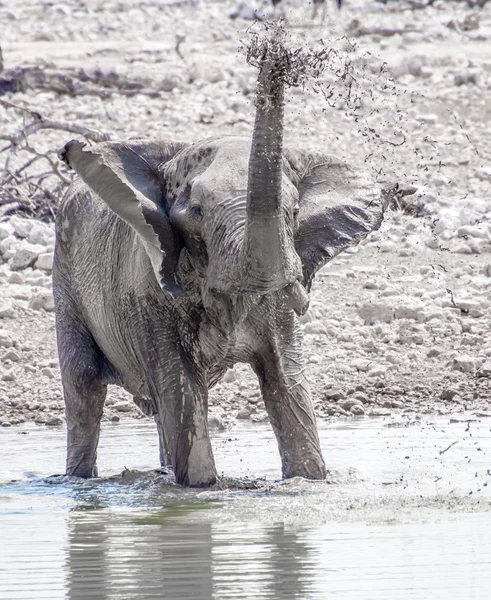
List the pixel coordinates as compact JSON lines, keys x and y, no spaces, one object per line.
{"x":243,"y":413}
{"x":379,"y":412}
{"x":25,"y":256}
{"x":10,"y":355}
{"x":16,"y":278}
{"x":374,"y":312}
{"x":6,"y":310}
{"x":40,"y":234}
{"x":361,"y":364}
{"x":47,"y":372}
{"x":9,"y":246}
{"x":22,"y":227}
{"x":476,"y":231}
{"x":350,"y":403}
{"x":8,"y":375}
{"x":6,"y":339}
{"x":53,"y":420}
{"x":485,"y":370}
{"x":215,"y":422}
{"x":114,"y":418}
{"x":334,"y":394}
{"x":6,"y":230}
{"x":6,"y":424}
{"x":448,"y":394}
{"x":357,"y":410}
{"x":42,"y":300}
{"x":465,"y":364}
{"x":410,"y":310}
{"x":123,"y":406}
{"x":45,"y":262}
{"x":230,"y":376}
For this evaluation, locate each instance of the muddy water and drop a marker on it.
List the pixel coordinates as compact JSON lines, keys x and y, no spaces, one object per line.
{"x":405,"y":514}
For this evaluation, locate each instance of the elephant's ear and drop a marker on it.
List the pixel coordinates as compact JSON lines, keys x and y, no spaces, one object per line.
{"x":338,"y":206}
{"x":126,"y":177}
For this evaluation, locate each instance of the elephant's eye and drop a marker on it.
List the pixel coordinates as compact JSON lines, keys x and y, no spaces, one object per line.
{"x":296,"y":210}
{"x":196,"y":211}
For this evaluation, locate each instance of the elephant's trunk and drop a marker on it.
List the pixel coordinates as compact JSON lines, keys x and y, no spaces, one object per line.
{"x":268,"y":260}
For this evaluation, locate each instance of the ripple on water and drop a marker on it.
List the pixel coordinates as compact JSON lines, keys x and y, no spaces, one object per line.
{"x":399,"y":515}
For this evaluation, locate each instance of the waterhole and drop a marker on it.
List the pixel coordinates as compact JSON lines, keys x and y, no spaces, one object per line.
{"x":405,"y":514}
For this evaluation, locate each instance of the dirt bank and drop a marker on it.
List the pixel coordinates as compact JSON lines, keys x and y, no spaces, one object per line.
{"x":401,"y":324}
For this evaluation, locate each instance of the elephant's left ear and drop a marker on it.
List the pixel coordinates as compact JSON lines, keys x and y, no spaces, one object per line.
{"x":339,"y":206}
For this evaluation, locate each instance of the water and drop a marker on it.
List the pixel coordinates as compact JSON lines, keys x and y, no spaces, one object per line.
{"x":401,"y":517}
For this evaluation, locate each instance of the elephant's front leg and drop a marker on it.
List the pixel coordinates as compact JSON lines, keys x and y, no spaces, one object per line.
{"x":280,"y":369}
{"x":181,"y":397}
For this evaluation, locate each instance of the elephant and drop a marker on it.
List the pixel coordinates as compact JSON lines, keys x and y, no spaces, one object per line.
{"x":175,"y":260}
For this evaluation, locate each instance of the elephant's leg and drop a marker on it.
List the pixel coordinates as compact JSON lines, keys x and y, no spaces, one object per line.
{"x":163,"y":451}
{"x":182,"y":400}
{"x":280,"y":369}
{"x":84,"y":390}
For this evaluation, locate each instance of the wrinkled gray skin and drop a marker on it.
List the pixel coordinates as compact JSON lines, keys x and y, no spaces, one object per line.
{"x":175,"y":261}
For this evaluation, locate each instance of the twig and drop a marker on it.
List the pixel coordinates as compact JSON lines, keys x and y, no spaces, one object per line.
{"x":448,"y":447}
{"x":41,"y":123}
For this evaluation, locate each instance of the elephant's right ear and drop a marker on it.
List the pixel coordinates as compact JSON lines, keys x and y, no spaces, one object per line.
{"x":125,"y":176}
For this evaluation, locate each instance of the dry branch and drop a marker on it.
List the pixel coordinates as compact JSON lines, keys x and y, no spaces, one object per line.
{"x":23,"y":188}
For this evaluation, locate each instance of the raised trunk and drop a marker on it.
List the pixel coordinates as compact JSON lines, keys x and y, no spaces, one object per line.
{"x":268,"y":261}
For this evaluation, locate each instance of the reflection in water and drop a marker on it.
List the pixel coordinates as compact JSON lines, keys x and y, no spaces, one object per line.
{"x":401,"y":531}
{"x":113,"y":556}
{"x":258,"y":561}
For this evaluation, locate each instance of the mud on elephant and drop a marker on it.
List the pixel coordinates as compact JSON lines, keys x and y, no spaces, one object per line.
{"x":175,"y":261}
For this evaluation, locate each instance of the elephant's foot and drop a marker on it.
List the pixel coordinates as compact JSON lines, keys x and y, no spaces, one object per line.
{"x":194,"y":465}
{"x":310,"y":466}
{"x":81,"y":466}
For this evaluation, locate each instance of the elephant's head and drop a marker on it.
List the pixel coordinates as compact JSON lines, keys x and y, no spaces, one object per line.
{"x":254,"y":217}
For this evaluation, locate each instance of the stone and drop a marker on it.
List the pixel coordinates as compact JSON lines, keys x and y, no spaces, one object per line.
{"x":16,"y":278}
{"x":47,"y":372}
{"x":6,"y":310}
{"x":350,"y":403}
{"x":374,"y":312}
{"x":243,"y":413}
{"x":6,"y":230}
{"x":215,"y":422}
{"x":485,"y":370}
{"x":10,"y":355}
{"x":476,"y":231}
{"x":463,"y":363}
{"x":230,"y":376}
{"x":6,"y":339}
{"x":334,"y":394}
{"x":9,"y":246}
{"x":25,"y":256}
{"x":54,"y":420}
{"x":42,"y":300}
{"x":448,"y":394}
{"x":123,"y":407}
{"x":8,"y":375}
{"x":357,"y":410}
{"x":22,"y":227}
{"x":45,"y":262}
{"x":40,"y":234}
{"x":361,"y":364}
{"x":379,"y":412}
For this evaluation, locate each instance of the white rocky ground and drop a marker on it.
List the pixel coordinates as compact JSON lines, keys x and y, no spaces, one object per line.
{"x":400,"y":324}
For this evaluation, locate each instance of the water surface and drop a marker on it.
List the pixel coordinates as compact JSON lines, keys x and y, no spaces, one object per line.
{"x":405,"y":514}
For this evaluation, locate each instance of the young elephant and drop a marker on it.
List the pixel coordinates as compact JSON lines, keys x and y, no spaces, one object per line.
{"x":175,"y":261}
